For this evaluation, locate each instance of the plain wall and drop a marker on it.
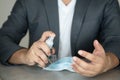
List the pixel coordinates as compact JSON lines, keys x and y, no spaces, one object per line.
{"x":5,"y":9}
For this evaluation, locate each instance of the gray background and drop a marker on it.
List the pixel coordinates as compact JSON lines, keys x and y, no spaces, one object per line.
{"x":5,"y":9}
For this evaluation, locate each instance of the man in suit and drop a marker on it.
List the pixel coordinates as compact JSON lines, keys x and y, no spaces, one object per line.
{"x":88,"y":30}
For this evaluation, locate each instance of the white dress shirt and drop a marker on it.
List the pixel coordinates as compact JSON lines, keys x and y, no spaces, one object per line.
{"x":66,"y":13}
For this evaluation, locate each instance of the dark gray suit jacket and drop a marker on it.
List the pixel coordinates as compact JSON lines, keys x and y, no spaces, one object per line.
{"x":93,"y":19}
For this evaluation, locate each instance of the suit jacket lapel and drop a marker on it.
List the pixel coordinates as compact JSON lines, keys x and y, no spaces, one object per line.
{"x":53,"y":19}
{"x":79,"y":14}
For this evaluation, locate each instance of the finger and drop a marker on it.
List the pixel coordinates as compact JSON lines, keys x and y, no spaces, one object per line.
{"x":74,"y":68}
{"x":40,"y":62}
{"x":83,"y":64}
{"x":82,"y":71}
{"x":41,"y":54}
{"x":98,"y":48}
{"x":95,"y":64}
{"x":43,"y":46}
{"x":53,"y":50}
{"x":46,"y":34}
{"x":30,"y":58}
{"x":87,"y":55}
{"x":97,"y":45}
{"x":36,"y":59}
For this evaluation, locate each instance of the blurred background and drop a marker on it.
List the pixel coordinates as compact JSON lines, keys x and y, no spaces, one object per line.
{"x":5,"y":9}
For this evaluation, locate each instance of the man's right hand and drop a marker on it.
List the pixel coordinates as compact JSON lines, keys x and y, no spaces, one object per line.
{"x":37,"y":54}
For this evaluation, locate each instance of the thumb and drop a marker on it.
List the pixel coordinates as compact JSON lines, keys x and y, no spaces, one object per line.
{"x":99,"y":50}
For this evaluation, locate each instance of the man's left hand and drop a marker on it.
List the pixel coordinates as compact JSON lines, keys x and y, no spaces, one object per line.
{"x":98,"y":61}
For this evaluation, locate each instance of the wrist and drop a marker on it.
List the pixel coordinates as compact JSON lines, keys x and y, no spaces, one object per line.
{"x":18,"y":57}
{"x":111,"y":62}
{"x":24,"y":56}
{"x":107,"y":64}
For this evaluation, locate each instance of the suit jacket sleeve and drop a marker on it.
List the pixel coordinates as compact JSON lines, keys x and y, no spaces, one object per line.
{"x":12,"y":31}
{"x":110,"y":30}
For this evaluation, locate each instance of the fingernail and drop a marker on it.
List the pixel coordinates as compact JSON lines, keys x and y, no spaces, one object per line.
{"x":74,"y":58}
{"x":46,"y":61}
{"x":80,"y":52}
{"x":49,"y":54}
{"x":96,"y":41}
{"x":52,"y":35}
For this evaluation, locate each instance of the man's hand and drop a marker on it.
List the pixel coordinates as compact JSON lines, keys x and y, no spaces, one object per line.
{"x":99,"y":61}
{"x":37,"y":53}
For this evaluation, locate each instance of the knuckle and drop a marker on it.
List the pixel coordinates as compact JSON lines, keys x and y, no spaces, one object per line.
{"x":42,"y":56}
{"x":93,"y":58}
{"x":48,"y":51}
{"x":40,"y":43}
{"x":46,"y":32}
{"x":35,"y":43}
{"x":41,"y":52}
